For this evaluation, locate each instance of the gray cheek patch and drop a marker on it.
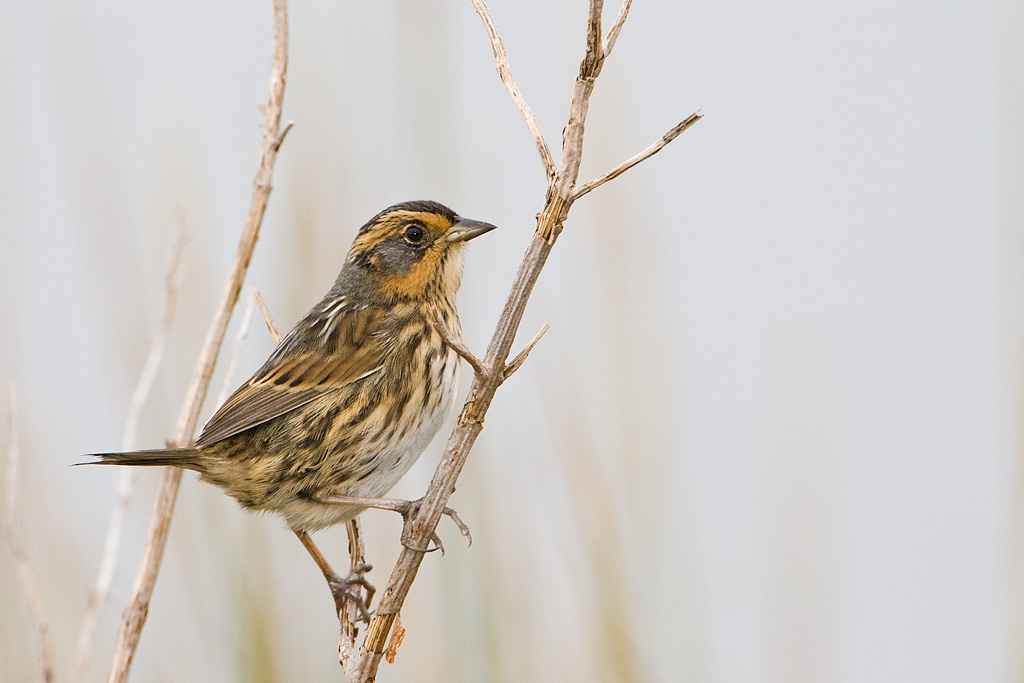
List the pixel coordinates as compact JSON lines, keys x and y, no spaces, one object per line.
{"x":396,"y":257}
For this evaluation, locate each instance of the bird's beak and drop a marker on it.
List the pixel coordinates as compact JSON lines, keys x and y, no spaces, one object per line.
{"x":466,"y":229}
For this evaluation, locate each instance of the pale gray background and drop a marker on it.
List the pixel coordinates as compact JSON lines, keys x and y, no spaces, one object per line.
{"x":773,"y":434}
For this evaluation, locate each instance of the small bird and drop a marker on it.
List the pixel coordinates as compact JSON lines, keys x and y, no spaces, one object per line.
{"x":351,"y":397}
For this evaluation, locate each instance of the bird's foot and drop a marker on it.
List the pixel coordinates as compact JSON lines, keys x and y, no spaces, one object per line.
{"x":408,"y":510}
{"x":350,"y":590}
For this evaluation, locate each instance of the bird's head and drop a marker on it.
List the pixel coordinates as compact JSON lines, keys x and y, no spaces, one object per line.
{"x":413,"y":250}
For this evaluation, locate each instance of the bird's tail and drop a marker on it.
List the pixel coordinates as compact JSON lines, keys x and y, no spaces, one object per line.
{"x":186,"y":458}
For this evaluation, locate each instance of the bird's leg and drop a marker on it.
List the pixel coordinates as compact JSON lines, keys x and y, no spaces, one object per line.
{"x":341,"y":589}
{"x":406,"y":508}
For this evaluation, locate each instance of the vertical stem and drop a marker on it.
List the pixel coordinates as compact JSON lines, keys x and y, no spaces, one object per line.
{"x":134,"y":617}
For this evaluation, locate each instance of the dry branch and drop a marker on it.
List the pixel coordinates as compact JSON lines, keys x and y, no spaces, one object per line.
{"x":228,"y":381}
{"x":459,"y":347}
{"x":351,"y":614}
{"x":668,"y":137}
{"x":36,"y":606}
{"x":613,"y":33}
{"x":492,"y":370}
{"x":134,"y":617}
{"x":521,"y":357}
{"x":267,"y":319}
{"x":505,"y":73}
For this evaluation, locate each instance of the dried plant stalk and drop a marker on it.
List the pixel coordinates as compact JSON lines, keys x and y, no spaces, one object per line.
{"x":505,"y":73}
{"x":29,"y":584}
{"x":228,"y":382}
{"x":134,"y":617}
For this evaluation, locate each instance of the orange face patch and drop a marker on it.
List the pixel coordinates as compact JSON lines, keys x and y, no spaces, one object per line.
{"x":406,"y":268}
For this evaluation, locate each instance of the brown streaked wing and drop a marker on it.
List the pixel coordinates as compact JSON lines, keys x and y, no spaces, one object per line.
{"x":296,"y":374}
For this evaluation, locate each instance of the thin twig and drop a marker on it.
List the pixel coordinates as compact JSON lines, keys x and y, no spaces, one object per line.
{"x":505,"y":73}
{"x":520,"y":358}
{"x":558,"y":200}
{"x":279,"y":140}
{"x":134,"y":617}
{"x":668,"y":137}
{"x":108,"y":560}
{"x":268,"y":320}
{"x":29,"y":584}
{"x":613,"y":34}
{"x":352,"y":613}
{"x":460,"y":348}
{"x":228,"y":383}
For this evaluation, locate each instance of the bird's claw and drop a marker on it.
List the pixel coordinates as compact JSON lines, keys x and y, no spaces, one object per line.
{"x":408,"y":511}
{"x":343,"y":592}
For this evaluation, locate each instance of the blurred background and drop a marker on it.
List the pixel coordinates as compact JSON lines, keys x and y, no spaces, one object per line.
{"x":772,"y":435}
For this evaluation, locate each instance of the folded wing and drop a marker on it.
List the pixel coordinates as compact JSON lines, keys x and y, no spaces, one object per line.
{"x":322,"y":354}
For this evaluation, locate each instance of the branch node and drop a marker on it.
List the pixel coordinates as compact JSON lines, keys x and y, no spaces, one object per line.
{"x":467,"y":418}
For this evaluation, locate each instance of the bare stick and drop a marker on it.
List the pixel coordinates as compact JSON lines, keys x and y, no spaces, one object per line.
{"x":244,"y":326}
{"x":134,"y":617}
{"x":353,"y":612}
{"x":108,"y":561}
{"x":267,"y":318}
{"x":460,"y":348}
{"x":505,"y":73}
{"x":668,"y":137}
{"x":613,"y":34}
{"x":558,"y":200}
{"x":36,"y":606}
{"x":520,"y":358}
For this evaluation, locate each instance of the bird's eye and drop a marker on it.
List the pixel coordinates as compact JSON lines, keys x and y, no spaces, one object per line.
{"x":414,"y":234}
